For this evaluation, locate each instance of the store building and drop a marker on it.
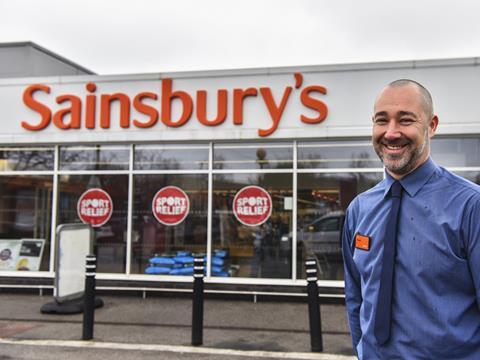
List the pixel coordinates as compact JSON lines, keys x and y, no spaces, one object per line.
{"x":253,"y":168}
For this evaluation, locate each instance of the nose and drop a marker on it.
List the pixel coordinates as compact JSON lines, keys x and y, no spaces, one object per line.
{"x":392,"y":131}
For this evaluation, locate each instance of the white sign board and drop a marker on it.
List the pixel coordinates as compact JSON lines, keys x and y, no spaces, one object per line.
{"x":283,"y":103}
{"x":74,"y":243}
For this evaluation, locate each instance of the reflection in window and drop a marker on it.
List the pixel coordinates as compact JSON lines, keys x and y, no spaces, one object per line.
{"x":158,"y":157}
{"x":26,"y":158}
{"x":322,"y":201}
{"x":254,"y":156}
{"x":98,"y":157}
{"x":25,"y":221}
{"x":337,"y":154}
{"x":168,"y":250}
{"x":253,"y":251}
{"x":456,"y":152}
{"x":110,"y":238}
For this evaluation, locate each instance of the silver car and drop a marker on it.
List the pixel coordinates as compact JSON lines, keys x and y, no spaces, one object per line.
{"x":321,"y":236}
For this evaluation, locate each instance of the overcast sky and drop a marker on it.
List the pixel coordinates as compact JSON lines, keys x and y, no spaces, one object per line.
{"x":144,"y":36}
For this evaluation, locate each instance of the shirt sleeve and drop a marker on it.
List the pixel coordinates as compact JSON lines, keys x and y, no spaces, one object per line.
{"x":473,"y":245}
{"x":353,"y":294}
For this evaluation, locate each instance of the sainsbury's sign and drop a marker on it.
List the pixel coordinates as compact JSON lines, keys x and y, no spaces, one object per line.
{"x":96,"y":108}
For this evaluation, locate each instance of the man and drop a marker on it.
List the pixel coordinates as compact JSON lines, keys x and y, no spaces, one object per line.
{"x":413,"y":294}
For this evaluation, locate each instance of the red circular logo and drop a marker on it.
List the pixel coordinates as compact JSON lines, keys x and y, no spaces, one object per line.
{"x":170,"y":205}
{"x":95,"y":207}
{"x":252,"y":205}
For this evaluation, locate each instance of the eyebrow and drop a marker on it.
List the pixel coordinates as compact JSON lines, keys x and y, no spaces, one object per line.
{"x":399,"y":114}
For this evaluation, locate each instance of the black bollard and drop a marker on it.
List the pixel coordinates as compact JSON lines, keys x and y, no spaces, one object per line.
{"x":197,"y":307}
{"x":314,"y":306}
{"x":89,"y":298}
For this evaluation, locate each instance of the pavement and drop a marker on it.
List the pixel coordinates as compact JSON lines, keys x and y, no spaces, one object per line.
{"x":159,"y":327}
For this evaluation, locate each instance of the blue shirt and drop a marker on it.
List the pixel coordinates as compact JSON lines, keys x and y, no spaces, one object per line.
{"x":436,"y":290}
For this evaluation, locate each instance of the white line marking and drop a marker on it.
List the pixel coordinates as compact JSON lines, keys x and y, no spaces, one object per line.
{"x":175,"y":349}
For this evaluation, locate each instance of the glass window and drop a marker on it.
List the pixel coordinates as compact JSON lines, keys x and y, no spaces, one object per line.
{"x":25,"y":222}
{"x":456,"y":152}
{"x":253,"y":156}
{"x":258,"y":251}
{"x":94,"y":157}
{"x":322,"y":201}
{"x":163,"y":244}
{"x":26,"y":158}
{"x":337,"y":154}
{"x":111,"y":237}
{"x":169,"y":157}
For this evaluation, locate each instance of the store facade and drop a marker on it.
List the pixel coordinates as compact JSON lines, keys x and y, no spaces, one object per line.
{"x":253,"y":168}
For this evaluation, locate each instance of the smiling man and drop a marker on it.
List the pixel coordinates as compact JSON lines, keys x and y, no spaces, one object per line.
{"x":411,"y":244}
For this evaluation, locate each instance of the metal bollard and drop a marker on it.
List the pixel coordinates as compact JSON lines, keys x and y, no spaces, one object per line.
{"x":197,"y":307}
{"x":314,"y":306}
{"x":89,"y":298}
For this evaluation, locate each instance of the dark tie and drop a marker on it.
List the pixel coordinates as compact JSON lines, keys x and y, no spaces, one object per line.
{"x":384,"y":303}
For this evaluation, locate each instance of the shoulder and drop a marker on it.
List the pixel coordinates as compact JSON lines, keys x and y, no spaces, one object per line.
{"x":458,"y":184}
{"x":456,"y":193}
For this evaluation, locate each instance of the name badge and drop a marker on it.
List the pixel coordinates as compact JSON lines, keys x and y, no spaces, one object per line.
{"x":362,"y":242}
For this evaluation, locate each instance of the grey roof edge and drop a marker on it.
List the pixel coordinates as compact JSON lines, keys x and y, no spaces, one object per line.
{"x":252,"y":71}
{"x":49,"y":53}
{"x":326,"y":68}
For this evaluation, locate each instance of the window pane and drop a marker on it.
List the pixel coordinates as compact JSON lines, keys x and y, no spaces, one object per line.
{"x":110,"y":238}
{"x":322,"y":201}
{"x":337,"y":154}
{"x":253,"y":251}
{"x":100,"y":157}
{"x":25,"y":221}
{"x":167,"y":249}
{"x":26,"y":158}
{"x":156,"y":157}
{"x":457,"y":152}
{"x":253,"y":156}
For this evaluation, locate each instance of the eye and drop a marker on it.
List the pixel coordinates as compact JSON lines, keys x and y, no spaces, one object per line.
{"x":406,"y":121}
{"x":380,"y":121}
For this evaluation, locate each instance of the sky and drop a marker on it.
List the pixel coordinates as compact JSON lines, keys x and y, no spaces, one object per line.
{"x":151,"y":36}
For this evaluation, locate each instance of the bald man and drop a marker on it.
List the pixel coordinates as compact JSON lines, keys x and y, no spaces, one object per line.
{"x":411,"y":244}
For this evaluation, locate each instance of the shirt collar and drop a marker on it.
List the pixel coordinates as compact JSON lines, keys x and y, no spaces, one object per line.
{"x":413,"y":182}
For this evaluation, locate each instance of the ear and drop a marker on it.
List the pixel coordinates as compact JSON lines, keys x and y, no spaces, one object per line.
{"x":432,"y":126}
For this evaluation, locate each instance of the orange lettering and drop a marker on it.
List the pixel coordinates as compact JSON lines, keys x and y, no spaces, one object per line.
{"x":221,"y":108}
{"x":44,"y":111}
{"x":106,"y":101}
{"x":238,"y":96}
{"x":74,"y":110}
{"x":145,"y":109}
{"x":167,"y":97}
{"x":314,"y":104}
{"x":274,"y":110}
{"x":91,"y":106}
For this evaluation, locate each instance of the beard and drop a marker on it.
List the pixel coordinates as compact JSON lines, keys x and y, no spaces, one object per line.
{"x":405,"y":162}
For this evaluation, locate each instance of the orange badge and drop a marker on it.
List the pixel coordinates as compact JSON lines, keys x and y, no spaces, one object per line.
{"x":362,"y":242}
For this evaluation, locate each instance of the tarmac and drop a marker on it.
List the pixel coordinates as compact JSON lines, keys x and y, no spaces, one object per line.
{"x":160,"y":327}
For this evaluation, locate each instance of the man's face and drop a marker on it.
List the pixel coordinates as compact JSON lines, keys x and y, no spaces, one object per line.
{"x":401,"y":130}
